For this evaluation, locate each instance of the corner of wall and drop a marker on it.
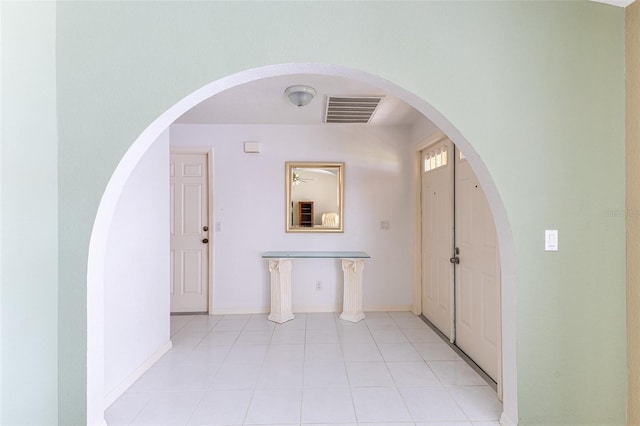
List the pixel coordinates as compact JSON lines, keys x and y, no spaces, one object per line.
{"x":632,"y":159}
{"x":29,"y":233}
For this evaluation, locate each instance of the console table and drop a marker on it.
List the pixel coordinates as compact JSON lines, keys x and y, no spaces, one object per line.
{"x":280,"y":269}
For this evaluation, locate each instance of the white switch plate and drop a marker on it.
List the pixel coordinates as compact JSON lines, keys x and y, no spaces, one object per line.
{"x":551,"y":240}
{"x":385,"y":225}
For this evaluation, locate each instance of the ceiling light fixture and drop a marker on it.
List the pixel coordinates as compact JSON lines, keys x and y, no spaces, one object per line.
{"x":300,"y":95}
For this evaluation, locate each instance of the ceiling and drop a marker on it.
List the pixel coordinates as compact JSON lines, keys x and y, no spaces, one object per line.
{"x":264,"y":102}
{"x":619,"y":3}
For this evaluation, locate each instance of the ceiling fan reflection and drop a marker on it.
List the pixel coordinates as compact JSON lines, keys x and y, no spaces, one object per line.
{"x":297,"y":180}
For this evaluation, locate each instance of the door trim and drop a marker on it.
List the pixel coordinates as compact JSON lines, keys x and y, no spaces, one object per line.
{"x":208,"y":151}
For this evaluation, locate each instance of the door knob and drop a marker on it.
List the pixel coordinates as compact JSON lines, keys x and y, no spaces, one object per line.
{"x":455,"y":259}
{"x":205,"y":240}
{"x":205,"y":228}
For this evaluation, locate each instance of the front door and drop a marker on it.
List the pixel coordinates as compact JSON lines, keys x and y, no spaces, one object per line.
{"x":189,"y":233}
{"x":478,"y":273}
{"x":437,"y":235}
{"x":460,"y":264}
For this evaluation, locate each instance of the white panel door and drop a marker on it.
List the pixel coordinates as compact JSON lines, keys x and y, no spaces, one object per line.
{"x":477,"y":274}
{"x":189,"y":233}
{"x":437,"y":235}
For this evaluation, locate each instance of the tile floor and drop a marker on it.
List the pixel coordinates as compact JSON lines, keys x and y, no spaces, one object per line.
{"x":389,"y":369}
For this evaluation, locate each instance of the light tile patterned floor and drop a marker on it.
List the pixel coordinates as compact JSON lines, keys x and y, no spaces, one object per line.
{"x":389,"y":369}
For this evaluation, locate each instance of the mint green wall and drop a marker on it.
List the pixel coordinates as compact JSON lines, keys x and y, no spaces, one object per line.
{"x":29,"y":237}
{"x":536,"y":87}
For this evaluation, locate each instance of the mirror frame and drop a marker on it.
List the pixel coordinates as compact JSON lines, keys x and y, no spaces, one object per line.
{"x":290,"y":165}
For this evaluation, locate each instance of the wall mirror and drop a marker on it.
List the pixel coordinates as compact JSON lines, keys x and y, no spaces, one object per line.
{"x":315,"y":197}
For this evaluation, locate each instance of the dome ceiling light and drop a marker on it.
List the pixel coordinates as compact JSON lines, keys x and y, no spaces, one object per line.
{"x":300,"y":95}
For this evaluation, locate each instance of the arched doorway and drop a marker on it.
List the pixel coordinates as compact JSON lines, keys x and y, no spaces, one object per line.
{"x":102,"y":224}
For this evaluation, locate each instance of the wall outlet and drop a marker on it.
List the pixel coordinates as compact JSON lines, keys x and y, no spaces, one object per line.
{"x":318,"y":285}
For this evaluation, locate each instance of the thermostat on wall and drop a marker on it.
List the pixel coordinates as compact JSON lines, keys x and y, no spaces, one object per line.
{"x":252,"y":147}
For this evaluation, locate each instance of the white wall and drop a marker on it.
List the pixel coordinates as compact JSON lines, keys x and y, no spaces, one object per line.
{"x":137,"y":272}
{"x":250,"y":207}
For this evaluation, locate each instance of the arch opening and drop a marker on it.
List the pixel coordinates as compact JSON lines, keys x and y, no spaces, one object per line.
{"x":104,"y":218}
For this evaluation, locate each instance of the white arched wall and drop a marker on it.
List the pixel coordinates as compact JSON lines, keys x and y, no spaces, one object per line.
{"x":108,"y":203}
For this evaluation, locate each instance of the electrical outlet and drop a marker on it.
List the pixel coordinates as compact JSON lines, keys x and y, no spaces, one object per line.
{"x":318,"y":285}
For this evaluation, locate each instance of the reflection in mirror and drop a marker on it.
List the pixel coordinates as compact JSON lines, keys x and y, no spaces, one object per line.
{"x":315,"y":197}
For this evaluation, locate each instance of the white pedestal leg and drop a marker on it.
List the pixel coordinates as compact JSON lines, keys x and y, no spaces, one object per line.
{"x":352,"y":303}
{"x":280,"y":290}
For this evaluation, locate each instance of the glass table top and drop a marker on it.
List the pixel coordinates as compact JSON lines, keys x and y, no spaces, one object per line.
{"x":316,"y":254}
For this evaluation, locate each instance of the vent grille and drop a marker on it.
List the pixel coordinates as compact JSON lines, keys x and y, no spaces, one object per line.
{"x":351,"y":109}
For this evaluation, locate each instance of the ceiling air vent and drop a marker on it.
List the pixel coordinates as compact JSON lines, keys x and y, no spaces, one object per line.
{"x":351,"y":109}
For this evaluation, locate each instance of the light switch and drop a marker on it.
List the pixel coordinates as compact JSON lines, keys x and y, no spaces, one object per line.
{"x":218,"y":226}
{"x":551,"y":240}
{"x":385,"y":225}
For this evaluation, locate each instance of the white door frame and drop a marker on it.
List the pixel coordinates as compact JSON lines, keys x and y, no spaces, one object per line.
{"x":208,"y":151}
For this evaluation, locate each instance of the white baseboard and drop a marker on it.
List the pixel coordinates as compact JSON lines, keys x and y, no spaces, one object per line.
{"x":314,"y":309}
{"x":321,"y":308}
{"x":296,"y":309}
{"x":122,"y":387}
{"x":506,"y":420}
{"x":240,"y":311}
{"x":388,"y":308}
